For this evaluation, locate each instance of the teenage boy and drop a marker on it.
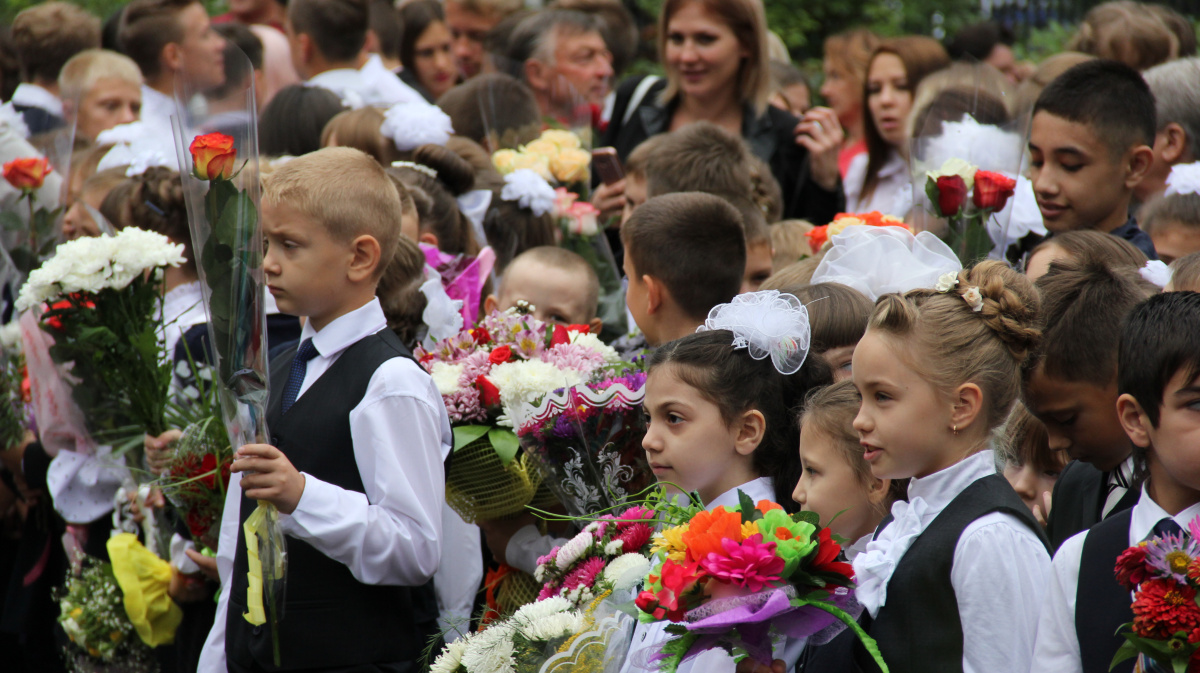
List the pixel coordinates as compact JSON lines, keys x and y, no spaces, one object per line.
{"x":44,"y":38}
{"x":359,"y":434}
{"x":1090,"y":147}
{"x":1071,"y":386}
{"x":1159,"y":408}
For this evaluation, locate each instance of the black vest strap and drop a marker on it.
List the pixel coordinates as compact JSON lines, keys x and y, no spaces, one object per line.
{"x":1101,"y":604}
{"x":331,"y":619}
{"x":918,"y":630}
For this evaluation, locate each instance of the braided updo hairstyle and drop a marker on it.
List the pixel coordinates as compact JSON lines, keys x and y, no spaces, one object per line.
{"x":152,"y":201}
{"x":952,"y":344}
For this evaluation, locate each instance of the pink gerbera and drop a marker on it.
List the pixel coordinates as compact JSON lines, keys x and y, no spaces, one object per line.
{"x":751,"y":563}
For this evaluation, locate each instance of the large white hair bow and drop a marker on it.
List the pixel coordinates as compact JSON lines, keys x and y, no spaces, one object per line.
{"x":768,"y":324}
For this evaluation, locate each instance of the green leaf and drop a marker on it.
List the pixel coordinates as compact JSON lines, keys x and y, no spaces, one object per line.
{"x":465,"y":434}
{"x":808,"y":516}
{"x":747,"y":506}
{"x":505,"y":443}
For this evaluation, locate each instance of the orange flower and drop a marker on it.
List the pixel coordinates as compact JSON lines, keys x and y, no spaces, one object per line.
{"x":707,"y":529}
{"x":27,"y":174}
{"x":817,"y":237}
{"x":765,"y":506}
{"x":213,"y":155}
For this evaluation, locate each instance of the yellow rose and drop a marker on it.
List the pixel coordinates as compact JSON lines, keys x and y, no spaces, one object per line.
{"x":503,"y":160}
{"x":563,"y":139}
{"x":839,"y":225}
{"x":535,"y":162}
{"x":571,"y":165}
{"x":542,"y":147}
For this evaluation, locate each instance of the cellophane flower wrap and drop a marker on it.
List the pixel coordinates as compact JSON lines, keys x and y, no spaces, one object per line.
{"x":16,"y":415}
{"x":196,"y":479}
{"x":587,"y":442}
{"x":819,"y":236}
{"x":218,"y":158}
{"x":509,"y":360}
{"x":741,"y":579}
{"x":92,"y":613}
{"x":1163,"y":573}
{"x":30,"y":242}
{"x":102,"y":301}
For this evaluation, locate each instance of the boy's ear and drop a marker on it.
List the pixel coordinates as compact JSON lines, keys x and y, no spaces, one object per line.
{"x":968,"y":404}
{"x":752,"y":428}
{"x":490,"y":303}
{"x":595,"y":325}
{"x":655,"y":294}
{"x":1134,"y":420}
{"x":1140,"y":160}
{"x":171,"y":58}
{"x":366,"y":258}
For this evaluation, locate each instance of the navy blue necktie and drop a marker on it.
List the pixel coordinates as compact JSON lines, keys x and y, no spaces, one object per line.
{"x":1165,"y":527}
{"x":291,"y":391}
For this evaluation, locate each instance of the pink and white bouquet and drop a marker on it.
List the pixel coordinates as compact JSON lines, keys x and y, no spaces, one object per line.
{"x":609,"y":555}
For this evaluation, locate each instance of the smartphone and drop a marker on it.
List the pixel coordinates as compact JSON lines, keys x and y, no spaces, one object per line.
{"x":607,"y":165}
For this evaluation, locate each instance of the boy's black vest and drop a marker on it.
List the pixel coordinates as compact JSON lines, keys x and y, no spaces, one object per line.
{"x":918,"y":630}
{"x":330,"y":619}
{"x":1101,"y":604}
{"x":1079,"y":496}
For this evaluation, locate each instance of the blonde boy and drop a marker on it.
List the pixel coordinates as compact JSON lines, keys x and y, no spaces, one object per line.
{"x":358,"y":436}
{"x":560,"y":285}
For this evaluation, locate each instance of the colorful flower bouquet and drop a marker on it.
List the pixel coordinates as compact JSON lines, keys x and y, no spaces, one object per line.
{"x":967,"y":196}
{"x":1164,"y":574}
{"x":739,"y":579}
{"x":484,"y":373}
{"x":92,"y":613}
{"x":819,"y":236}
{"x":610,"y":555}
{"x":587,"y":442}
{"x":557,"y":155}
{"x":30,"y":241}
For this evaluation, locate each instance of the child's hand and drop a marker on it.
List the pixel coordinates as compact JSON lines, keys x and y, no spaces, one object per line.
{"x":208,"y":565}
{"x":1041,"y":510}
{"x":269,"y":476}
{"x":749,"y":665}
{"x":160,"y":450}
{"x":187,"y":588}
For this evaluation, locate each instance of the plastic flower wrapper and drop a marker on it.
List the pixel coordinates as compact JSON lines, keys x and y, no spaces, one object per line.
{"x":93,"y":615}
{"x":587,"y":442}
{"x":742,"y":579}
{"x":218,"y":159}
{"x":1164,"y":574}
{"x":965,"y":158}
{"x":197,"y":478}
{"x":15,"y":413}
{"x":485,"y":373}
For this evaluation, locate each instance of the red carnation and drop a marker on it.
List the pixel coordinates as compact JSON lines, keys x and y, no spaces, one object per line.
{"x":1163,"y":607}
{"x":481,"y":336}
{"x":992,"y":190}
{"x":817,"y":237}
{"x":1131,"y":567}
{"x":560,"y":336}
{"x":489,"y":394}
{"x":579,"y":329}
{"x":827,"y":554}
{"x":951,"y":194}
{"x":500,"y":355}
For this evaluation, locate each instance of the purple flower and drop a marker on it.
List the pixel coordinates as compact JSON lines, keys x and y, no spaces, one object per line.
{"x":1170,"y":555}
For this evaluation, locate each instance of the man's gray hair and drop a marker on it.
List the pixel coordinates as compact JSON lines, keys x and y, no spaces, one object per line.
{"x":1176,"y":89}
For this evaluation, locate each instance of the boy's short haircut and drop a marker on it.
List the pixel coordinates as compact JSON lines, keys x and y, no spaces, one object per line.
{"x":693,"y":244}
{"x":789,"y":240}
{"x":1089,"y":246}
{"x":338,"y":28}
{"x":344,"y":190}
{"x":146,"y":27}
{"x":636,"y":162}
{"x":493,"y":104}
{"x":1185,"y":273}
{"x":1159,"y":338}
{"x":239,"y":71}
{"x":87,"y":67}
{"x":46,"y":36}
{"x":766,"y":191}
{"x":384,"y":20}
{"x":1109,"y":97}
{"x":566,"y":260}
{"x":837,"y":314}
{"x":1176,"y":89}
{"x":700,"y":157}
{"x":754,"y":223}
{"x":1174,"y":209}
{"x":1026,"y":442}
{"x":1126,"y":31}
{"x":1083,"y":305}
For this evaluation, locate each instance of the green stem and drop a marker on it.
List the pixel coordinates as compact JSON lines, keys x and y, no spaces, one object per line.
{"x":851,"y":623}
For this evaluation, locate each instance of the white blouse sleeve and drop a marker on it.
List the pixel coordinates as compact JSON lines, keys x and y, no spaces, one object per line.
{"x":1057,"y":647}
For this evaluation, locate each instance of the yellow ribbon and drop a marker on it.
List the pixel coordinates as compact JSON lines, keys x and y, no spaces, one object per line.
{"x":145,"y":580}
{"x":255,"y":614}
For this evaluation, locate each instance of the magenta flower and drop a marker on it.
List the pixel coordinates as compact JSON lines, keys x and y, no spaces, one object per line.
{"x":636,"y":512}
{"x":548,"y":558}
{"x":528,"y":344}
{"x":584,"y":574}
{"x":549,"y":590}
{"x":634,"y":537}
{"x":751,"y":563}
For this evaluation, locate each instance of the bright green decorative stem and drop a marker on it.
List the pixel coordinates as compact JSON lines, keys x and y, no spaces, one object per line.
{"x":867,"y":641}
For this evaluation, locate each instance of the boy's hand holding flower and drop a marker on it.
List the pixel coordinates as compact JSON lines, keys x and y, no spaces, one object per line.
{"x":270,"y":476}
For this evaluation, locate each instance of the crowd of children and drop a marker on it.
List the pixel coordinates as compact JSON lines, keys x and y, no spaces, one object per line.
{"x":985,"y":435}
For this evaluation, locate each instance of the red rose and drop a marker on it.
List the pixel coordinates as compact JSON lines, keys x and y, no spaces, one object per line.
{"x":559,"y":336}
{"x":951,"y":194}
{"x":500,"y":355}
{"x":1163,"y":607}
{"x":208,"y":467}
{"x":213,"y":155}
{"x":647,"y":602}
{"x":27,"y":174}
{"x":579,"y":329}
{"x":481,"y":336}
{"x":992,"y":190}
{"x":489,"y":394}
{"x":1131,"y":567}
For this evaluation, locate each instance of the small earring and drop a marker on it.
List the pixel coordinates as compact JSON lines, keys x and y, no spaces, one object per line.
{"x":955,"y":429}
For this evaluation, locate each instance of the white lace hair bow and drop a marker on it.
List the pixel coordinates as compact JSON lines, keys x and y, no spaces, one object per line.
{"x":879,"y":260}
{"x":139,"y":146}
{"x":1184,"y":179}
{"x":411,"y":125}
{"x":529,"y":190}
{"x":1156,"y":272}
{"x":767,"y":323}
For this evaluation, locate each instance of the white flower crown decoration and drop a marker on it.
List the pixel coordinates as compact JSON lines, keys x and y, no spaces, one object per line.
{"x":529,"y":190}
{"x":1184,"y":179}
{"x":768,"y":324}
{"x":949,"y":280}
{"x":420,"y":168}
{"x":411,"y":125}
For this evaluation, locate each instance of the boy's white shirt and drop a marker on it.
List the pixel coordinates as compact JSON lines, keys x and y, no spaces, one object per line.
{"x":1000,"y":571}
{"x":648,"y":639}
{"x":392,"y":534}
{"x":1057,"y":646}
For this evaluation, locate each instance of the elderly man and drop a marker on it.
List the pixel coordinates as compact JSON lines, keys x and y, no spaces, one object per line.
{"x":562,"y":56}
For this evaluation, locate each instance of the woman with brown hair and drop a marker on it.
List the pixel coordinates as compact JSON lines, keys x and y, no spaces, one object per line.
{"x":714,"y":53}
{"x":845,"y":66}
{"x":878,"y":179}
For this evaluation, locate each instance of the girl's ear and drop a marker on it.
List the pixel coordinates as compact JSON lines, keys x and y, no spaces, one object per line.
{"x":968,"y":405}
{"x":877,"y":492}
{"x":751,"y":428}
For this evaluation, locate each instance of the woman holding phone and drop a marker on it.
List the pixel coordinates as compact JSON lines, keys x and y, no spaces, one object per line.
{"x":714,"y":53}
